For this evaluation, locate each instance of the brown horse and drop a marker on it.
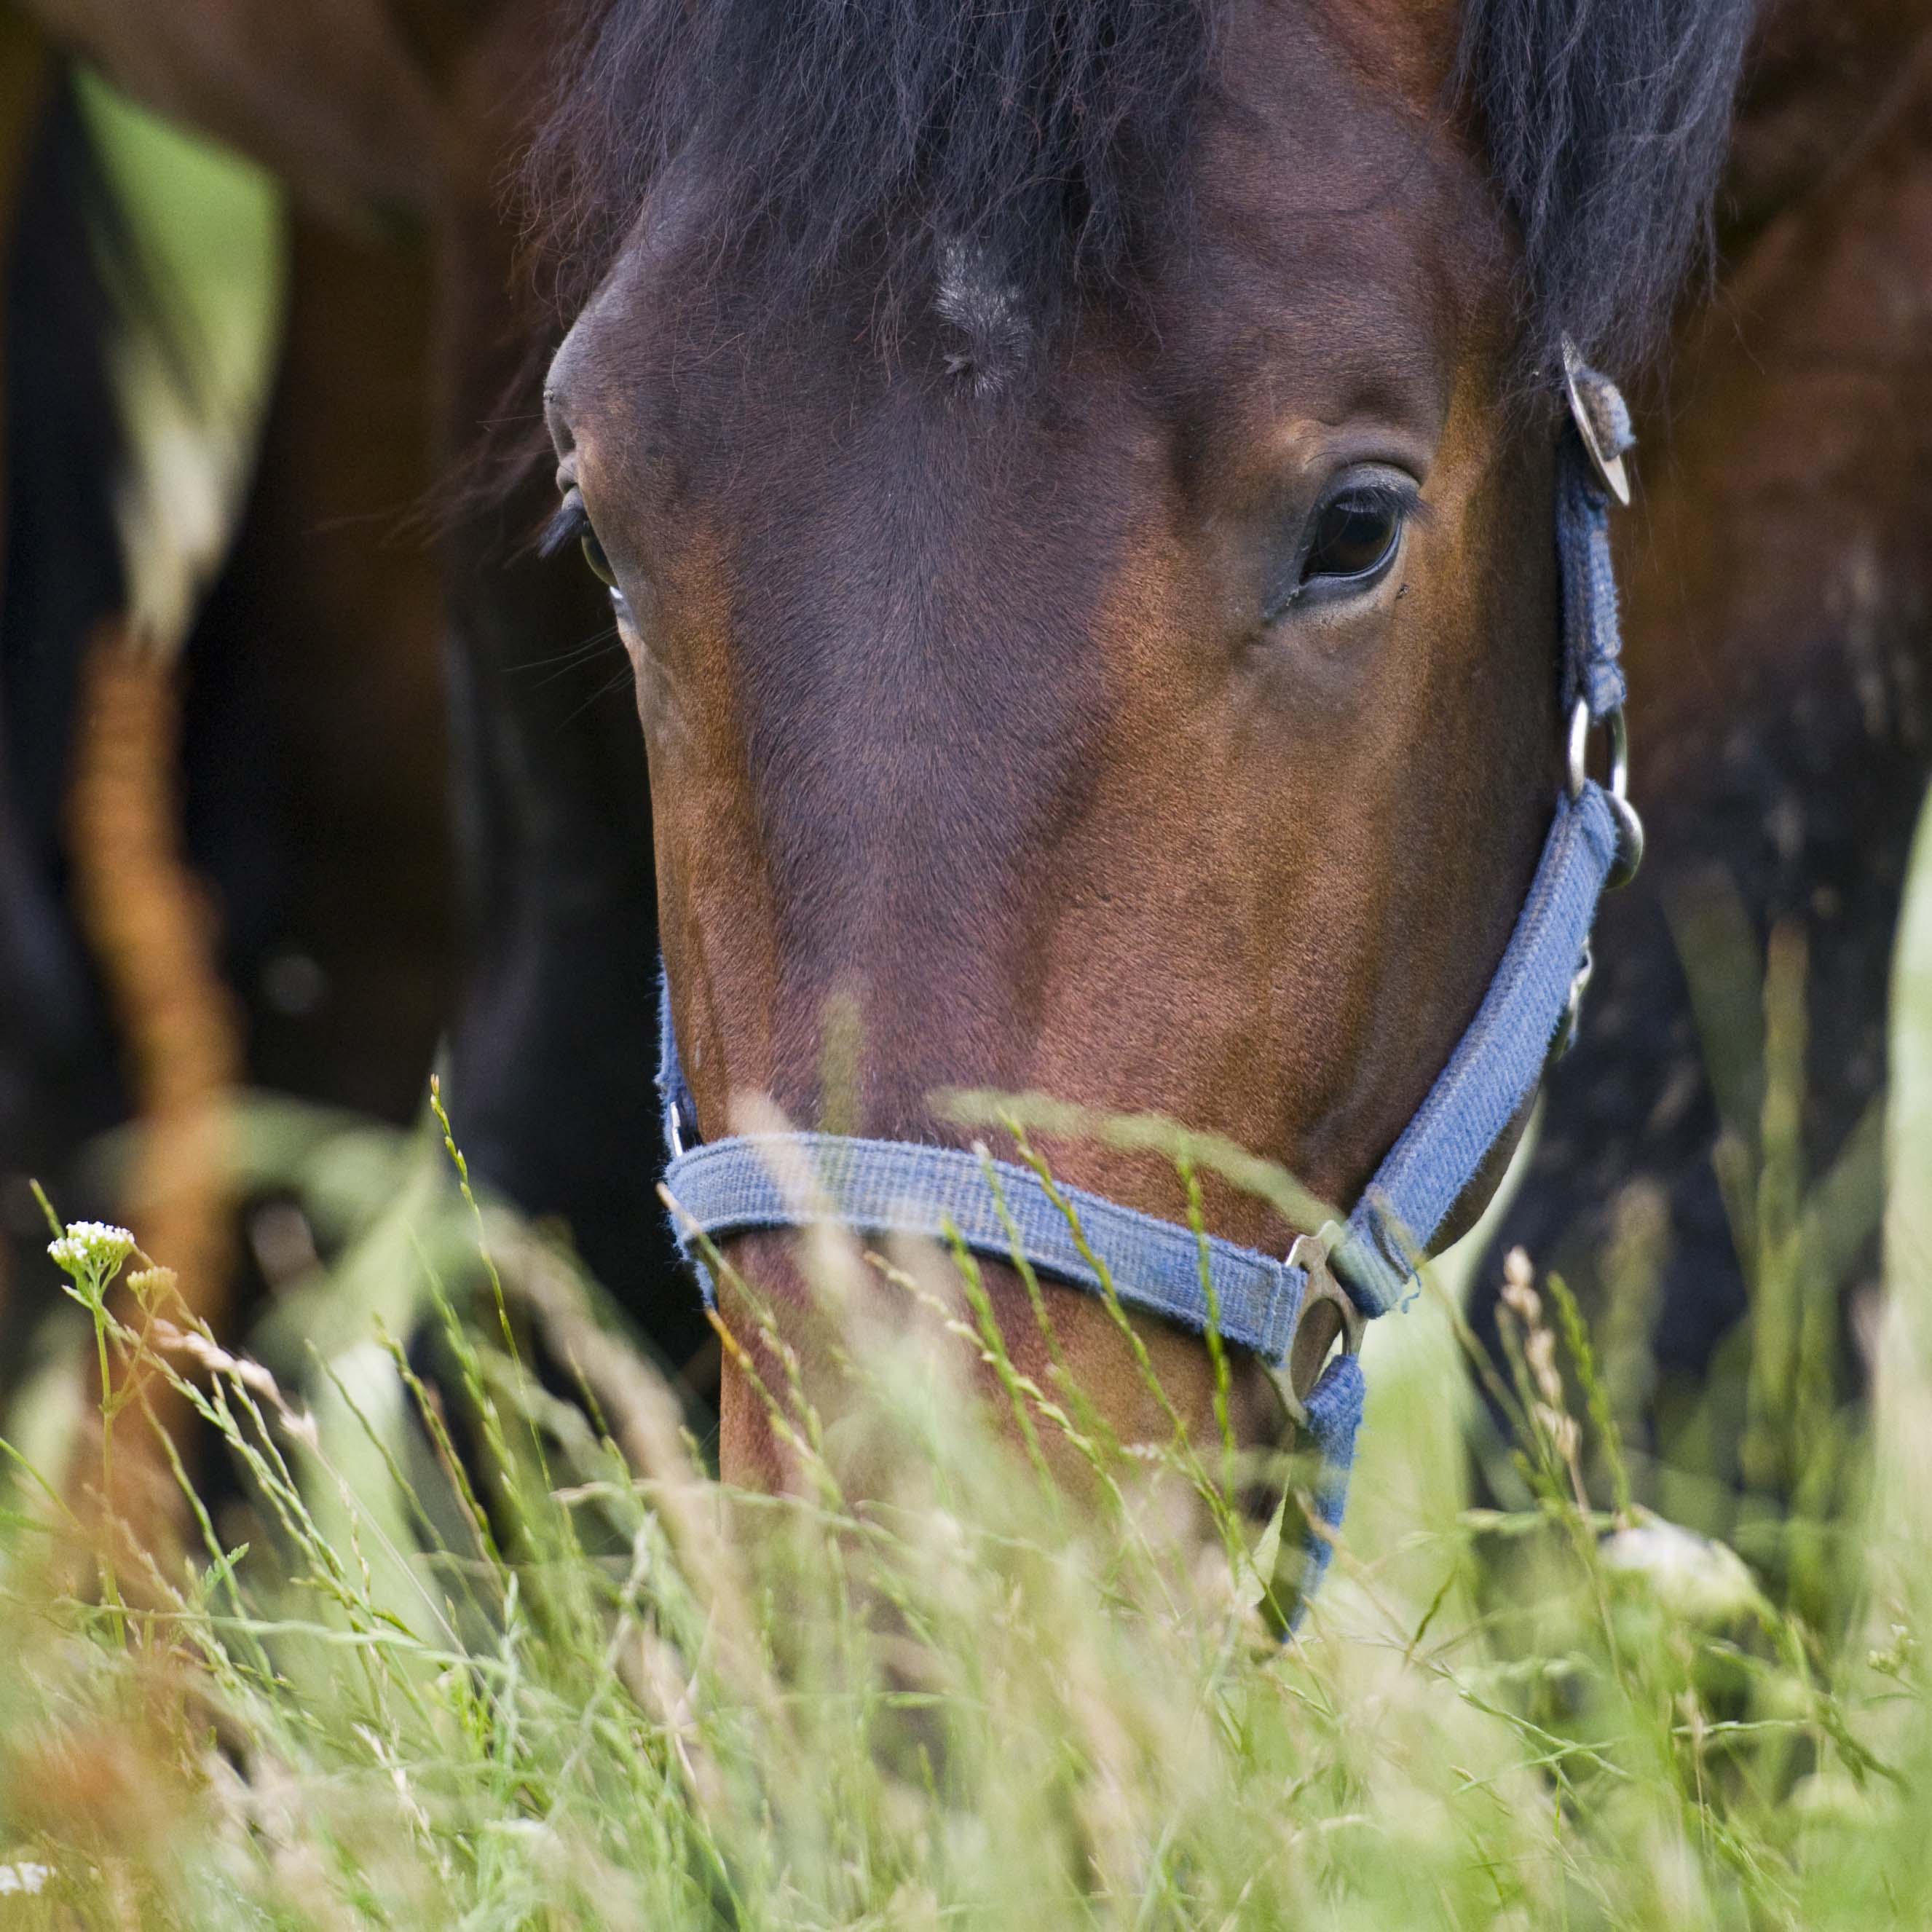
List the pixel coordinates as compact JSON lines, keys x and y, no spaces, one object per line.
{"x":1079,"y":482}
{"x":1177,"y":728}
{"x":308,"y":760}
{"x":1778,"y":585}
{"x":314,"y":780}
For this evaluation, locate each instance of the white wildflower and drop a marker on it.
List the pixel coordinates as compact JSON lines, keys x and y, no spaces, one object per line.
{"x":151,"y":1286}
{"x":91,"y":1248}
{"x":23,"y":1877}
{"x":1701,"y":1581}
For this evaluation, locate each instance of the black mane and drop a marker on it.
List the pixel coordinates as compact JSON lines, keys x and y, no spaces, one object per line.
{"x":1606,"y":123}
{"x":1040,"y":137}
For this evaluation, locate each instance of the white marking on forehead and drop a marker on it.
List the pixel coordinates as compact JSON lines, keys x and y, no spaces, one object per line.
{"x":973,"y":298}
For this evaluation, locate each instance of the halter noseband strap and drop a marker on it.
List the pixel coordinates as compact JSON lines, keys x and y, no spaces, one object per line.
{"x":771,"y":1181}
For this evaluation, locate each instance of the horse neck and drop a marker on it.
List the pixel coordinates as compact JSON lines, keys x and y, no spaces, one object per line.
{"x":1787,"y":490}
{"x":1816,"y":68}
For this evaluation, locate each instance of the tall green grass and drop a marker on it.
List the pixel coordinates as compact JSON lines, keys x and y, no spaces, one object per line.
{"x":497,"y":1652}
{"x":477,"y":1655}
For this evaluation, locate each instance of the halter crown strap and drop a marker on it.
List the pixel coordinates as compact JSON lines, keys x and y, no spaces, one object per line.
{"x":1590,"y":474}
{"x":749,"y":1183}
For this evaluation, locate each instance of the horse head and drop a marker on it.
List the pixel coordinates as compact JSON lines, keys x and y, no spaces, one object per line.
{"x":1076,"y":483}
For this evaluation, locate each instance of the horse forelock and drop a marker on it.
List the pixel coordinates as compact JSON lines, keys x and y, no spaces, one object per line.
{"x":986,"y":162}
{"x":985,"y":158}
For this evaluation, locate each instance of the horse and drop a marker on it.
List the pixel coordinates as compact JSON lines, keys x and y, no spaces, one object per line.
{"x":1177,"y":731}
{"x":316,"y":711}
{"x":310,"y":668}
{"x":1776,"y":590}
{"x":953,"y":400}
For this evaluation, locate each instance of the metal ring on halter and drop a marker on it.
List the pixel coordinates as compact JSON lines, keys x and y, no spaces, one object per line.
{"x":1335,"y":1318}
{"x":1630,"y":826}
{"x":673,"y":1127}
{"x":1573,"y":1008}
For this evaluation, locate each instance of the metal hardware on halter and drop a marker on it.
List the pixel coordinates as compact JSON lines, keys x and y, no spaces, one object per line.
{"x":1572,"y":1010}
{"x":1630,"y":826}
{"x":674,"y":1123}
{"x":1608,"y":463}
{"x":1328,"y":1315}
{"x":1602,"y":434}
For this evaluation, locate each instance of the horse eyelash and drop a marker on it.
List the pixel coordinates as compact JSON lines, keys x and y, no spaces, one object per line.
{"x":570,"y":524}
{"x":1402,"y":500}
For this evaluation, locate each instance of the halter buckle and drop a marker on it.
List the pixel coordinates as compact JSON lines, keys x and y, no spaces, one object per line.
{"x":1328,"y":1315}
{"x":1630,"y":826}
{"x":1611,"y":470}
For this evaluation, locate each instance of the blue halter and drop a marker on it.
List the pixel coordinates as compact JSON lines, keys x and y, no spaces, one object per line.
{"x":739,"y":1185}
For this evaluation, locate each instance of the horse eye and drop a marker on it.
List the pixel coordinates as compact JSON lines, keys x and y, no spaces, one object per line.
{"x":1355,"y":536}
{"x":600,"y":564}
{"x":573,"y":520}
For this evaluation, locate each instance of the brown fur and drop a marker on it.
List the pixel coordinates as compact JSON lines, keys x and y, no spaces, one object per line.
{"x":24,"y":77}
{"x":1798,"y":456}
{"x":316,"y":693}
{"x":1025,"y":776}
{"x":328,"y":93}
{"x":152,"y":933}
{"x":1777,"y":586}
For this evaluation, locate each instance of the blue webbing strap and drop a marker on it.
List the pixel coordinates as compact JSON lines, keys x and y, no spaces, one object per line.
{"x":749,"y":1182}
{"x":1592,"y":637}
{"x":1334,"y":1414}
{"x":746,"y":1183}
{"x":756,"y":1181}
{"x":1496,"y":1065}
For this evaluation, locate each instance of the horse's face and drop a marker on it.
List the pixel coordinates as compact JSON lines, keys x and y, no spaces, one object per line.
{"x":1168,"y":724}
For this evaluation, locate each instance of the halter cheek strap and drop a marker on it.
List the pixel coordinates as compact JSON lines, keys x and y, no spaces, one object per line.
{"x":750,"y":1182}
